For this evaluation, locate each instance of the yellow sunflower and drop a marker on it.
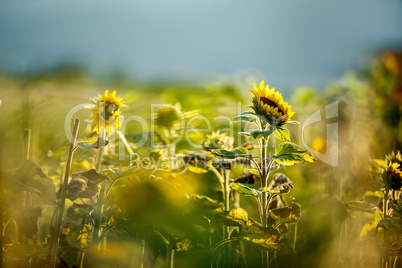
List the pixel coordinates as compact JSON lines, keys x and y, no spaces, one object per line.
{"x":106,"y":112}
{"x":217,"y":141}
{"x":270,"y":105}
{"x":394,"y":172}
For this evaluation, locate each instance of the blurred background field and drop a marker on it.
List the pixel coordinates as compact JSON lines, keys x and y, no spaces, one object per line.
{"x":203,"y":57}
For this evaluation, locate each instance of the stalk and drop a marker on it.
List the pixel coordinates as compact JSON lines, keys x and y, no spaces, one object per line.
{"x":98,"y":217}
{"x":226,"y":192}
{"x":59,"y":220}
{"x":142,"y":253}
{"x":171,"y":258}
{"x":264,"y":196}
{"x":99,"y":159}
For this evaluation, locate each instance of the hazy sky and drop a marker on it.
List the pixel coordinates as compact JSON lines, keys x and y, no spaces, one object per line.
{"x":288,"y":42}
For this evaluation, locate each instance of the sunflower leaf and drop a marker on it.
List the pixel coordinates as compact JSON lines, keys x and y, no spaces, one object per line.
{"x":286,"y":214}
{"x":254,"y":172}
{"x":93,"y":143}
{"x":237,"y":152}
{"x":246,"y":118}
{"x":262,"y":237}
{"x":243,"y":189}
{"x":361,"y":206}
{"x":235,"y":217}
{"x":258,"y":134}
{"x":390,"y":224}
{"x":282,"y":134}
{"x":289,"y":154}
{"x":248,"y":113}
{"x":30,"y":177}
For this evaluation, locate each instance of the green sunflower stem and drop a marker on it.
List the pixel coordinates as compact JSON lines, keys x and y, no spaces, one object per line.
{"x":226,"y":193}
{"x":59,"y":219}
{"x":96,"y":235}
{"x":264,"y":196}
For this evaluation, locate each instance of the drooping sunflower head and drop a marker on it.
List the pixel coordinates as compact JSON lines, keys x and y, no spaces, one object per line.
{"x":217,"y":141}
{"x":106,"y":112}
{"x":270,"y":105}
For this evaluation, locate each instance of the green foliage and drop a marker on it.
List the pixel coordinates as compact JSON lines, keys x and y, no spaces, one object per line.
{"x":361,"y":206}
{"x":258,"y":134}
{"x":289,"y":154}
{"x":243,"y":189}
{"x":30,"y":177}
{"x":286,"y":214}
{"x":232,"y":154}
{"x":282,"y":134}
{"x":93,"y":143}
{"x":262,"y":237}
{"x":245,"y":118}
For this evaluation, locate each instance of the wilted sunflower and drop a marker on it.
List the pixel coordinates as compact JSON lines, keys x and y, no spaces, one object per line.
{"x":106,"y":112}
{"x":270,"y":105}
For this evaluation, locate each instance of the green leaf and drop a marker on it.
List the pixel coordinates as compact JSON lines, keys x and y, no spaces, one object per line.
{"x":266,"y":190}
{"x":243,"y":189}
{"x":265,"y":238}
{"x":93,"y":143}
{"x":361,"y":206}
{"x":31,"y":178}
{"x":282,"y":134}
{"x":254,"y":172}
{"x":130,"y":171}
{"x":289,"y":154}
{"x":258,"y":134}
{"x":203,"y":202}
{"x":245,"y":133}
{"x":248,"y":113}
{"x":238,"y":152}
{"x":287,"y":214}
{"x":92,"y":176}
{"x":246,"y":118}
{"x":196,"y":170}
{"x":235,"y":217}
{"x":238,"y":214}
{"x":390,"y":224}
{"x":397,"y":208}
{"x":112,"y":173}
{"x":293,"y":122}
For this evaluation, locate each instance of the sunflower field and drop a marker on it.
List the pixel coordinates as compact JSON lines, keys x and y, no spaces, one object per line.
{"x":113,"y":173}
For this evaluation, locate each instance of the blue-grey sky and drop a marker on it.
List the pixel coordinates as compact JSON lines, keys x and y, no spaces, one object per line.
{"x":286,"y":42}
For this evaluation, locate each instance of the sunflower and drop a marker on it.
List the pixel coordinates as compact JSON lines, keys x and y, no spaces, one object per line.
{"x":217,"y":141}
{"x":168,"y":116}
{"x":270,"y":105}
{"x":394,"y":174}
{"x":106,"y":112}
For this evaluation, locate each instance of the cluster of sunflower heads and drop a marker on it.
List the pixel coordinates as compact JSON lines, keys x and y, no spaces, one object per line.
{"x":106,"y":112}
{"x":270,"y":106}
